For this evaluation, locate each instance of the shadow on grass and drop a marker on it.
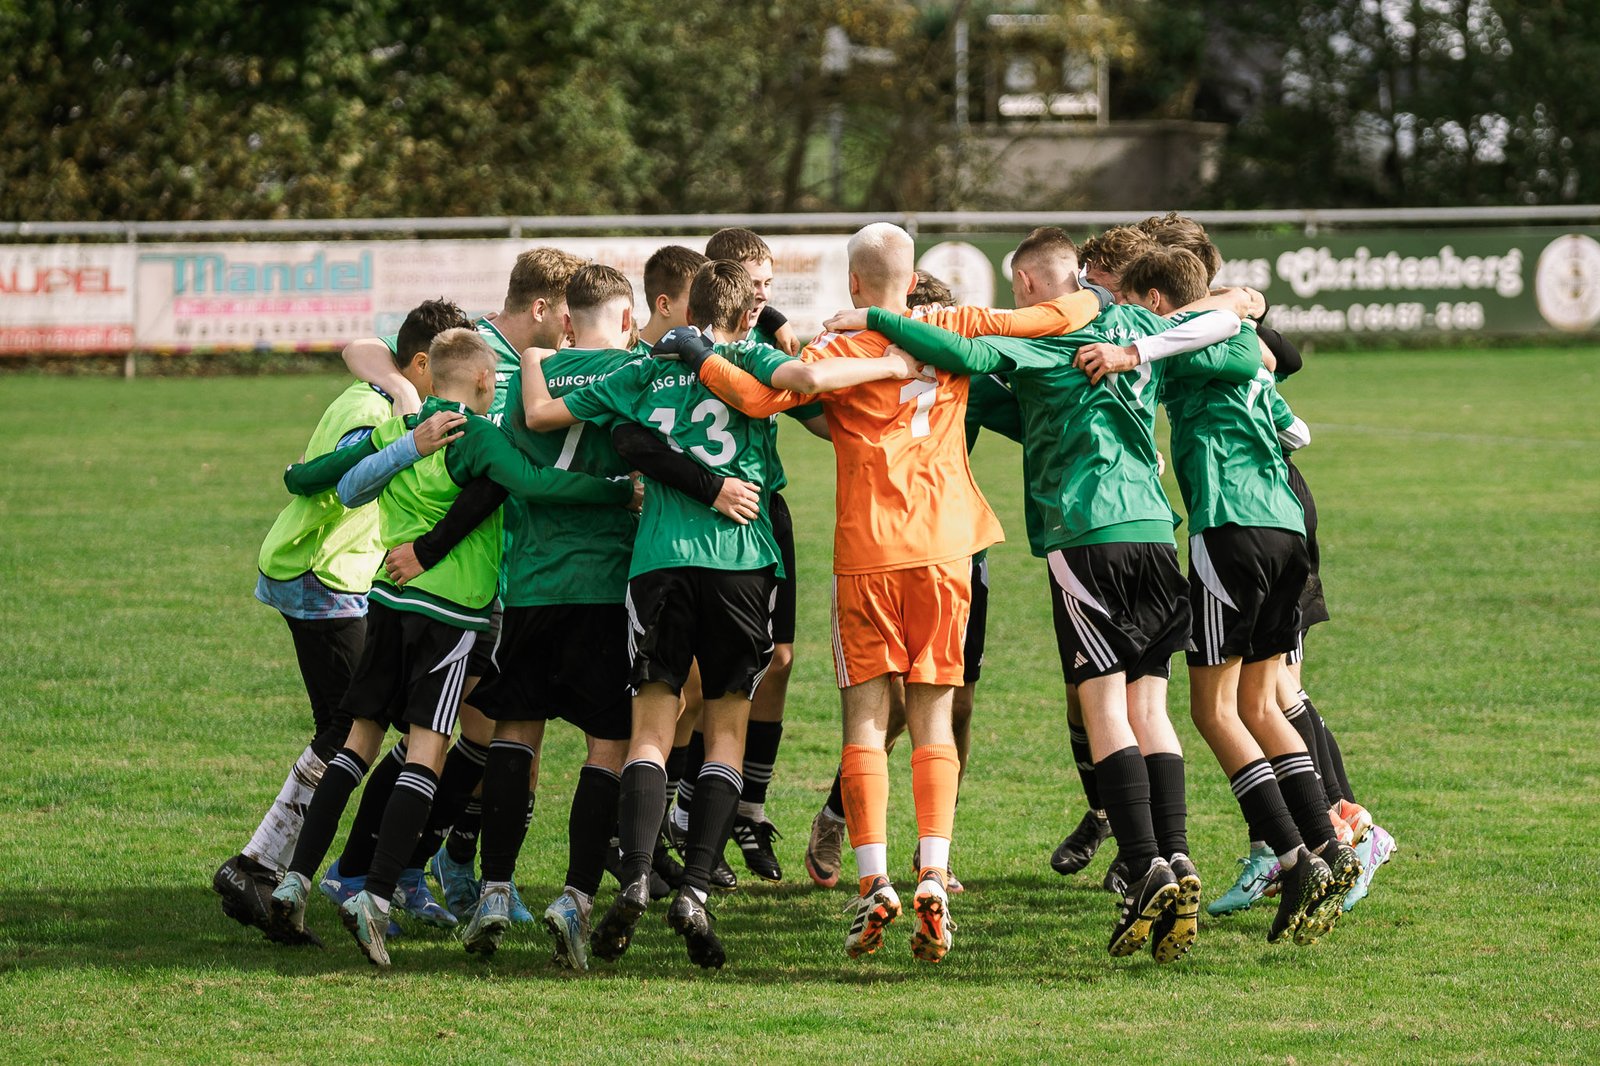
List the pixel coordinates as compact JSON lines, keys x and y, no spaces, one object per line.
{"x":1018,"y":928}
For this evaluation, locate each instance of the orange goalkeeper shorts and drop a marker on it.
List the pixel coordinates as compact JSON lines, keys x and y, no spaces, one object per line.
{"x":910,"y":622}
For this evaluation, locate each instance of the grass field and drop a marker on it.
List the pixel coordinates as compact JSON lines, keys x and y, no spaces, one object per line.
{"x":151,"y":708}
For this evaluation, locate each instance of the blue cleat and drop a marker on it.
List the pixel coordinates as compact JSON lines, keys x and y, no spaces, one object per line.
{"x":1256,"y":872}
{"x":341,"y":890}
{"x":519,"y":910}
{"x":456,"y":883}
{"x":490,"y":917}
{"x":568,"y":926}
{"x":412,"y":893}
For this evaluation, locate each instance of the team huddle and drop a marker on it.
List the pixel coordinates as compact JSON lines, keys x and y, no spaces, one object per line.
{"x":558,"y":512}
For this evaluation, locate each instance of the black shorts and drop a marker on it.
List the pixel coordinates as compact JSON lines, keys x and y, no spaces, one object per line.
{"x":1312,"y":607}
{"x":977,"y":622}
{"x":411,"y":671}
{"x":481,"y":663}
{"x":328,"y":650}
{"x":567,"y":661}
{"x":783,"y":602}
{"x":721,"y":619}
{"x":1244,"y":592}
{"x":1118,"y":608}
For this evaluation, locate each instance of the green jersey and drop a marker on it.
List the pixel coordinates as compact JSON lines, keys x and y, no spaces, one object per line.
{"x":1089,"y":454}
{"x":1225,"y":449}
{"x":675,"y":530}
{"x":507,"y":361}
{"x":318,"y":533}
{"x":459,"y":590}
{"x":560,"y":553}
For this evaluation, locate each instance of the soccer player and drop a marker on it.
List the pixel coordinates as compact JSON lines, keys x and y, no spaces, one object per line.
{"x":316,"y":566}
{"x":1106,"y":255}
{"x":752,"y":830}
{"x":699,"y":589}
{"x":1247,"y":568}
{"x":420,"y":636}
{"x":531,"y":315}
{"x":992,"y":406}
{"x":910,"y":518}
{"x":563,"y":651}
{"x":1100,"y":517}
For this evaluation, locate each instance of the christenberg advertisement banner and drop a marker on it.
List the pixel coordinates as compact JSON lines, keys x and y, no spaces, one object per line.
{"x":1386,"y":283}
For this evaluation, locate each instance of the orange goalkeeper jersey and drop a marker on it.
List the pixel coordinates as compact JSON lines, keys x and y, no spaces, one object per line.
{"x":905,"y":494}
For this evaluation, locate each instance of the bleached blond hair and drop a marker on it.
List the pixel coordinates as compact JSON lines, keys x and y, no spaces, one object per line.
{"x":883,"y":256}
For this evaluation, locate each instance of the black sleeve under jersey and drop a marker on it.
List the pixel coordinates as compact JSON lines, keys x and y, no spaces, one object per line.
{"x":653,"y":457}
{"x":1282,"y":349}
{"x":478,"y":500}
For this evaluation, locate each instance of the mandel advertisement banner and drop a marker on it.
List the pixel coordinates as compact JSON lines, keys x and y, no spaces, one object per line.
{"x":1385,"y":283}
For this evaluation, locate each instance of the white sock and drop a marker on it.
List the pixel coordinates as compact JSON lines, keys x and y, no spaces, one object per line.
{"x":699,"y":893}
{"x":1257,"y":845}
{"x":273,"y":842}
{"x":680,"y":819}
{"x":756,"y":812}
{"x":827,"y":812}
{"x":1287,"y":861}
{"x":382,"y":905}
{"x":934,"y":852}
{"x":872,"y":860}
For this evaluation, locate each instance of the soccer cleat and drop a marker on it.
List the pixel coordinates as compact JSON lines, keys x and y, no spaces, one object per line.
{"x":417,"y":900}
{"x":568,"y":927}
{"x":1257,"y":870}
{"x":246,"y":888}
{"x":755,"y":842}
{"x":1302,"y":888}
{"x":1117,"y":877}
{"x":1375,"y":849}
{"x":489,"y":921}
{"x":874,"y":910}
{"x":690,"y":920}
{"x":1344,"y":866}
{"x":1172,"y":933}
{"x":367,"y":923}
{"x":337,"y":887}
{"x":1142,"y":903}
{"x":930,"y":940}
{"x":1077,"y":850}
{"x":825,"y":850}
{"x":1341,"y":828}
{"x":615,"y":931}
{"x":520,"y":914}
{"x":460,"y":888}
{"x":722,"y":877}
{"x":288,"y":922}
{"x":1358,"y":818}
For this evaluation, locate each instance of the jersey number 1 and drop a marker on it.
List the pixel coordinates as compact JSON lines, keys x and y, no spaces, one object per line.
{"x":925,"y":392}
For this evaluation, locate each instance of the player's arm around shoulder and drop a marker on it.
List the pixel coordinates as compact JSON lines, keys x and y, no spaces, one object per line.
{"x":485,"y":451}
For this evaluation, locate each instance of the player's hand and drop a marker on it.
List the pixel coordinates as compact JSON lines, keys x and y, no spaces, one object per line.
{"x":788,"y":340}
{"x":437,"y":430}
{"x":686,"y":344}
{"x":1256,"y":304}
{"x":902,"y":364}
{"x":1098,"y":360}
{"x":401,"y":564}
{"x":851,"y":318}
{"x":636,"y":501}
{"x":738,"y":500}
{"x":1161,"y":464}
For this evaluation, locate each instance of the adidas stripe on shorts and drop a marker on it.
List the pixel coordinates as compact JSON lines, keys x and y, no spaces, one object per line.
{"x":1118,"y":608}
{"x":411,"y":672}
